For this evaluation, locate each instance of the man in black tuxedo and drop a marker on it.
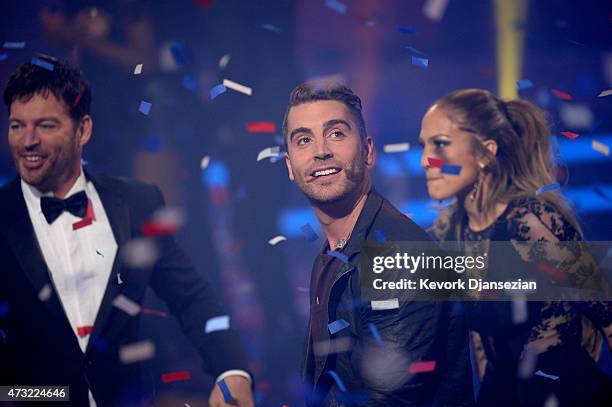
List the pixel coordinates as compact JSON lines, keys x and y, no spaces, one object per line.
{"x":70,"y":303}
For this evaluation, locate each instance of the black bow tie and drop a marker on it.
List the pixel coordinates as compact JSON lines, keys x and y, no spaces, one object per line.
{"x":53,"y":207}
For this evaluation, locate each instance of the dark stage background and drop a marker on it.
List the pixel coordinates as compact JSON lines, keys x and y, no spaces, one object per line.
{"x":236,"y":204}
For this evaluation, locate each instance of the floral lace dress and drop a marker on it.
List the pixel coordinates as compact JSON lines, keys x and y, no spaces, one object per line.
{"x":553,"y":354}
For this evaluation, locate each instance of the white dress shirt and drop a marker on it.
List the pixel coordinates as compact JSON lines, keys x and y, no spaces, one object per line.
{"x":79,"y":261}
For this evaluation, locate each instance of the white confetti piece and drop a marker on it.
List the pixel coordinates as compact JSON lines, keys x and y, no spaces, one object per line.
{"x":396,"y":148}
{"x":270,"y":152}
{"x":548,"y":376}
{"x":204,"y":162}
{"x":45,"y":293}
{"x":334,"y":346}
{"x":519,"y":310}
{"x":170,"y":216}
{"x":605,"y":93}
{"x":551,"y":401}
{"x":381,"y":305}
{"x":138,"y":69}
{"x":601,"y":147}
{"x":434,"y":9}
{"x":140,"y":253}
{"x":224,"y":61}
{"x":277,"y":239}
{"x":136,"y":352}
{"x":126,"y":305}
{"x":237,"y":87}
{"x":220,"y":323}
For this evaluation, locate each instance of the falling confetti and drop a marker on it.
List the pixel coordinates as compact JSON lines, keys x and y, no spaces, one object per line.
{"x":407,"y":30}
{"x":523,"y":84}
{"x":84,"y":330}
{"x":3,"y":57}
{"x":145,"y":107}
{"x":337,"y":6}
{"x":422,"y":367}
{"x":14,"y":45}
{"x":435,"y":162}
{"x":434,"y":9}
{"x":276,"y":240}
{"x":269,"y":152}
{"x":237,"y":87}
{"x":396,"y":148}
{"x":337,"y":380}
{"x":270,"y":27}
{"x":560,"y":94}
{"x":224,"y":61}
{"x":140,"y":253}
{"x":375,"y":333}
{"x":569,"y":134}
{"x":451,"y":169}
{"x":420,"y":62}
{"x":548,"y":376}
{"x":548,"y":188}
{"x":605,"y":93}
{"x":217,"y":90}
{"x":136,"y":352}
{"x":600,"y":147}
{"x":337,"y":326}
{"x":381,"y":305}
{"x":43,"y":64}
{"x":45,"y":293}
{"x":175,"y":377}
{"x":204,"y":162}
{"x":220,"y":323}
{"x":519,"y":310}
{"x":138,"y":69}
{"x":126,"y":305}
{"x":338,"y":255}
{"x":261,"y":127}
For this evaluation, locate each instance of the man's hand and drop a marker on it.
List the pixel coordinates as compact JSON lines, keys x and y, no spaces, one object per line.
{"x":239,"y":387}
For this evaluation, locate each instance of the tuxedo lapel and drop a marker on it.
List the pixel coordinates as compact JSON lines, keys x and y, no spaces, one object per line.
{"x":118,"y":215}
{"x":20,"y":236}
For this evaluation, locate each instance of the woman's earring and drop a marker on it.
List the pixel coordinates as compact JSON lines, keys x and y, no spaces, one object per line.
{"x":476,"y":187}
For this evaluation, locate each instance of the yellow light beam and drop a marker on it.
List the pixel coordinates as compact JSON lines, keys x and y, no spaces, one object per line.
{"x":510,"y":45}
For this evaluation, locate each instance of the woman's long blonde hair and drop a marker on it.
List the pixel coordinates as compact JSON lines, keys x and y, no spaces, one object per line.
{"x":523,"y":162}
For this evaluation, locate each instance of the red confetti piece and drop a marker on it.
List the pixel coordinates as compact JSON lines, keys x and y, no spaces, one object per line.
{"x":569,"y":134}
{"x":150,"y":311}
{"x":84,"y":330}
{"x":76,"y":101}
{"x":435,"y":162}
{"x":82,"y":223}
{"x":423,"y":367}
{"x":203,"y":3}
{"x":175,"y":377}
{"x":261,"y":127}
{"x":561,"y":95}
{"x":552,"y":272}
{"x":156,"y":229}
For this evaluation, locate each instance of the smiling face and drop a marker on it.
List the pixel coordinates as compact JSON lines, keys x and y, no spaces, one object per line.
{"x":45,"y":142}
{"x":442,"y":139}
{"x":326,"y":157}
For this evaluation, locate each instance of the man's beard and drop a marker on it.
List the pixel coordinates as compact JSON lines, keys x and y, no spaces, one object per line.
{"x":321,"y":195}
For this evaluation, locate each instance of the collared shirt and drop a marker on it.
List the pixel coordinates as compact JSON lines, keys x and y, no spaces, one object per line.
{"x":79,"y":261}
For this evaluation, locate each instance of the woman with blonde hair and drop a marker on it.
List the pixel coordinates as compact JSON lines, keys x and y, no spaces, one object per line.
{"x":503,"y":151}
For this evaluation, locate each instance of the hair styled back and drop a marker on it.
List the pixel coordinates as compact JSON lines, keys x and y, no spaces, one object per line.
{"x":67,"y":84}
{"x":523,"y":162}
{"x":326,"y":90}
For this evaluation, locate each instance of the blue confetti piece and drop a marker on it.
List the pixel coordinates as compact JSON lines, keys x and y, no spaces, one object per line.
{"x":145,"y":107}
{"x":547,"y":188}
{"x":42,"y":64}
{"x":337,"y":326}
{"x":179,"y":54}
{"x":548,"y":376}
{"x":380,"y":235}
{"x":227,"y":395}
{"x":451,"y":169}
{"x":337,"y":380}
{"x":420,"y":62}
{"x":153,"y":144}
{"x":189,"y":83}
{"x":338,"y":255}
{"x":416,"y":51}
{"x":4,"y":307}
{"x":375,"y":333}
{"x":337,"y":6}
{"x":2,"y":336}
{"x":523,"y":84}
{"x":407,"y":30}
{"x":270,"y":27}
{"x":14,"y":45}
{"x":309,"y":233}
{"x":217,"y":90}
{"x":3,"y":57}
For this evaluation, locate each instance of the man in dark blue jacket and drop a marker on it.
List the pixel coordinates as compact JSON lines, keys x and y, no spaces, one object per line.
{"x":353,"y":353}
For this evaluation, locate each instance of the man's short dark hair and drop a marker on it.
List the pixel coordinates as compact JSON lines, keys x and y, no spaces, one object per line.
{"x":63,"y":81}
{"x":326,"y":90}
